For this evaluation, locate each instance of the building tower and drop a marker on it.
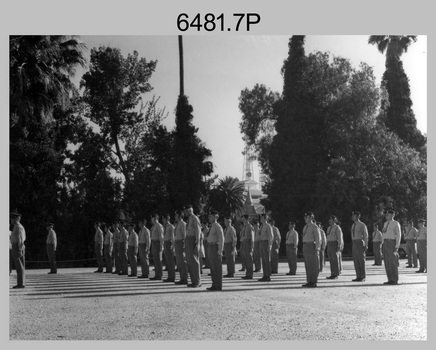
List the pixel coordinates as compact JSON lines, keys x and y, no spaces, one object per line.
{"x":247,"y":167}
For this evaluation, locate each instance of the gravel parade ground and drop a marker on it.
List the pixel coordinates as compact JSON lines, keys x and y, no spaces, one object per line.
{"x":77,"y":304}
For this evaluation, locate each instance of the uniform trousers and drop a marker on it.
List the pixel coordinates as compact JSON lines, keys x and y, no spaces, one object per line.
{"x":275,"y":257}
{"x":230,"y":257}
{"x":248,"y":259}
{"x":143,"y":259}
{"x":321,"y":259}
{"x":181,"y":259}
{"x":359,"y":258}
{"x":169,"y":256}
{"x":333,"y":254}
{"x":192,"y":260}
{"x":116,"y":257}
{"x":157,"y":257}
{"x":377,"y":249}
{"x":242,"y":253}
{"x":291,"y":254}
{"x":18,"y":256}
{"x":391,"y":260}
{"x":206,"y":255}
{"x":265,"y":249}
{"x":51,"y":253}
{"x":311,"y":262}
{"x":98,"y":248}
{"x":133,"y":260}
{"x":340,"y":261}
{"x":256,"y":255}
{"x":107,"y":257}
{"x":411,"y":252}
{"x":216,"y":266}
{"x":123,"y":257}
{"x":422,"y":253}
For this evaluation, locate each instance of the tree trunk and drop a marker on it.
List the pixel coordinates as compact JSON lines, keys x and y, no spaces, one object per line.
{"x":120,"y":157}
{"x":182,"y":92}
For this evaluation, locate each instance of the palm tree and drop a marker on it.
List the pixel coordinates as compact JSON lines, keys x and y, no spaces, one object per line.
{"x":227,"y":197}
{"x":394,"y":45}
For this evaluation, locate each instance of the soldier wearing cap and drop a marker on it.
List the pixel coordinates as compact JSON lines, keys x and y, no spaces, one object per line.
{"x":98,"y":246}
{"x":323,"y":247}
{"x":377,"y":240}
{"x":422,"y":246}
{"x":123,"y":248}
{"x":132,"y":250}
{"x":335,"y":241}
{"x":107,"y":248}
{"x":144,"y":248}
{"x":157,"y":244}
{"x":249,"y":245}
{"x":256,"y":250}
{"x":266,"y":239}
{"x":341,"y":249}
{"x":275,"y":248}
{"x":18,"y":237}
{"x":410,"y":235}
{"x":115,"y":247}
{"x":311,"y":247}
{"x":169,"y":248}
{"x":292,"y":248}
{"x":179,"y":239}
{"x":230,"y":240}
{"x":215,"y":245}
{"x":51,"y":244}
{"x":391,"y":242}
{"x":192,"y":246}
{"x":359,"y":236}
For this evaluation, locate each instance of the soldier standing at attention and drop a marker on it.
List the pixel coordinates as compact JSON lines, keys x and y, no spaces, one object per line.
{"x":340,"y":250}
{"x":18,"y":237}
{"x":230,"y":240}
{"x":266,"y":238}
{"x":157,"y":244}
{"x":422,"y":246}
{"x":51,"y":244}
{"x":323,"y":247}
{"x":391,"y":243}
{"x":377,"y":246}
{"x":242,"y":246}
{"x":256,"y":252}
{"x":169,"y":248}
{"x":133,"y":250}
{"x":410,"y":235}
{"x":98,"y":246}
{"x":205,"y":232}
{"x":123,"y":247}
{"x":359,"y":236}
{"x":275,"y":248}
{"x":107,"y":248}
{"x":179,"y":239}
{"x":249,"y":245}
{"x":292,"y":248}
{"x":334,"y":243}
{"x":192,"y":246}
{"x":115,"y":247}
{"x":311,"y":247}
{"x":144,"y":248}
{"x":215,"y":246}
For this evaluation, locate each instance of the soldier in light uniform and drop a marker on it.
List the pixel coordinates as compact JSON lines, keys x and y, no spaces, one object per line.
{"x":98,"y":246}
{"x":292,"y":248}
{"x":107,"y":248}
{"x":157,"y":245}
{"x":215,"y":246}
{"x":335,"y":241}
{"x":18,"y":237}
{"x":359,"y":236}
{"x":266,"y":239}
{"x":123,"y":242}
{"x":249,"y":245}
{"x":179,"y":239}
{"x":205,"y":232}
{"x":391,"y":242}
{"x":192,"y":246}
{"x":256,"y":251}
{"x":230,"y":240}
{"x":323,"y":247}
{"x":422,"y":246}
{"x":377,"y":246}
{"x":51,"y":244}
{"x":275,"y":248}
{"x":169,"y":248}
{"x":144,"y":242}
{"x":132,"y":250}
{"x":341,"y":250}
{"x":311,"y":247}
{"x":242,"y":247}
{"x":410,"y":235}
{"x":115,"y":247}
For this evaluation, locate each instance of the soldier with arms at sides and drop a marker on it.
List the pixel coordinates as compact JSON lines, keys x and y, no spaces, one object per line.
{"x":51,"y":244}
{"x":169,"y":248}
{"x":256,"y":250}
{"x":275,"y":248}
{"x":215,"y":246}
{"x":266,"y":239}
{"x":359,"y":236}
{"x":133,"y":250}
{"x":391,"y":242}
{"x":323,"y":247}
{"x":292,"y":248}
{"x":123,"y":246}
{"x":18,"y":237}
{"x":311,"y":247}
{"x":377,"y":245}
{"x":422,"y":246}
{"x":107,"y":248}
{"x":144,"y":248}
{"x":98,"y":246}
{"x":230,"y":240}
{"x":179,"y":239}
{"x":157,"y":244}
{"x":410,"y":235}
{"x":192,"y":246}
{"x":335,"y":241}
{"x":249,"y":245}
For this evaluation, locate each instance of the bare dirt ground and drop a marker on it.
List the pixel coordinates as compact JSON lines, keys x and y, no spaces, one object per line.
{"x":77,"y":304}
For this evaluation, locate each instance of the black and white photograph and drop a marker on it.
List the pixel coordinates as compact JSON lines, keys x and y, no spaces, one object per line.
{"x":215,"y":180}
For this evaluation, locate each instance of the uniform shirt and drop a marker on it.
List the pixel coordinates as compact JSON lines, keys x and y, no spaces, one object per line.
{"x":266,"y":233}
{"x":230,"y":235}
{"x":180,"y":230}
{"x":248,"y":233}
{"x":18,"y":235}
{"x":277,"y":237}
{"x":216,"y":235}
{"x":205,"y":232}
{"x":392,"y":230}
{"x":115,"y":235}
{"x":144,"y":237}
{"x":256,"y":233}
{"x":411,"y":233}
{"x":334,"y":234}
{"x":157,"y":233}
{"x":108,"y":238}
{"x":377,"y":236}
{"x":124,"y":236}
{"x":98,"y":237}
{"x":312,"y":234}
{"x":242,"y":234}
{"x":193,"y":228}
{"x":422,"y":234}
{"x":292,"y":237}
{"x":359,"y":232}
{"x":133,"y":239}
{"x":323,"y":239}
{"x":169,"y":233}
{"x":51,"y":238}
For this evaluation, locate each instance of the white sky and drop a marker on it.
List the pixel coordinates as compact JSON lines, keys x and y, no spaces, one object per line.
{"x":217,"y":68}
